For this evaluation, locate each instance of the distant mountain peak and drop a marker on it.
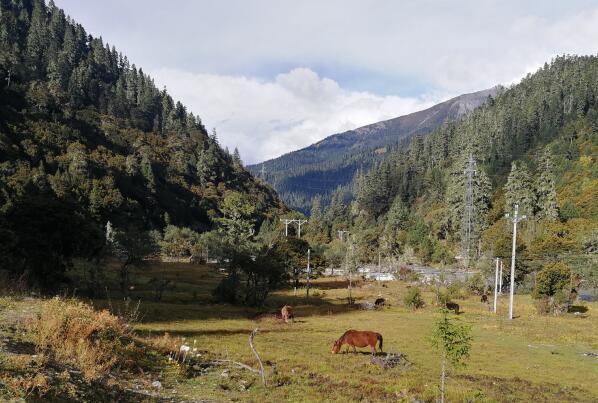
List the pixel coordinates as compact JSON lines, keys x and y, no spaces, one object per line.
{"x":297,"y":176}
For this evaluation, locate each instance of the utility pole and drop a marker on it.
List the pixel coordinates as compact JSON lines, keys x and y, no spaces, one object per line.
{"x":470,"y":171}
{"x":515,"y":219}
{"x":308,"y":271}
{"x":500,"y":278}
{"x":286,"y":222}
{"x":379,"y":256}
{"x":341,"y":232}
{"x":299,"y":222}
{"x":8,"y":78}
{"x":496,"y":285}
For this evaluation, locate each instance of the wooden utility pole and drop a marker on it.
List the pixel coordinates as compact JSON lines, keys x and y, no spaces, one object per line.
{"x":515,"y":219}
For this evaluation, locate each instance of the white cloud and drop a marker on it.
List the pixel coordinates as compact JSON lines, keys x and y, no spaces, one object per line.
{"x":209,"y":54}
{"x":265,"y":119}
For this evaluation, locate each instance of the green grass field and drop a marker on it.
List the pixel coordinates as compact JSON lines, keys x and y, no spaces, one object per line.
{"x":532,"y":358}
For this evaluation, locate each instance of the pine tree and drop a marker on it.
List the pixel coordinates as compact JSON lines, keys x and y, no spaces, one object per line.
{"x":237,"y":162}
{"x":37,"y":39}
{"x":546,"y":206}
{"x":519,"y":190}
{"x":148,"y":172}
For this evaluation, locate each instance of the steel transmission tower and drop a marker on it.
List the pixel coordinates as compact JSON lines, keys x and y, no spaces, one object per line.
{"x":469,"y":171}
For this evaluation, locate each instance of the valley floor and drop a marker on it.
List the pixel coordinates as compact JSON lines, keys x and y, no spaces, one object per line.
{"x":532,"y":358}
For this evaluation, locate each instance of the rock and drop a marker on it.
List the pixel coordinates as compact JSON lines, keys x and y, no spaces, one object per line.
{"x":157,"y":384}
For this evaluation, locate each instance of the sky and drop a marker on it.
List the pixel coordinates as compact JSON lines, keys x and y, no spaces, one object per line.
{"x":273,"y":76}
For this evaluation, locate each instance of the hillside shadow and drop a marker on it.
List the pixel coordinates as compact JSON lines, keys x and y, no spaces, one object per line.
{"x":149,"y":311}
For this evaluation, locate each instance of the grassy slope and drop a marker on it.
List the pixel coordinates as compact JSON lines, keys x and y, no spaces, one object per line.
{"x":531,"y":358}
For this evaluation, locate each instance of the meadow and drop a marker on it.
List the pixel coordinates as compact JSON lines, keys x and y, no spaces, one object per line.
{"x":532,"y":358}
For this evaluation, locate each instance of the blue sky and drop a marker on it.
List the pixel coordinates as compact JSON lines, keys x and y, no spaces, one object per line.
{"x":272,"y":76}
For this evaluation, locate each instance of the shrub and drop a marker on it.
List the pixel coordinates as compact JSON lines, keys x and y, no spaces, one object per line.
{"x":458,"y":290}
{"x":72,"y":333}
{"x":413,"y":299}
{"x":551,"y":279}
{"x":442,"y":295}
{"x":553,"y":285}
{"x":476,"y":284}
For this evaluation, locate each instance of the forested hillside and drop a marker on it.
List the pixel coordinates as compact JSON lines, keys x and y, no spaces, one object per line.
{"x":333,"y":162}
{"x":86,"y":137}
{"x":534,"y":144}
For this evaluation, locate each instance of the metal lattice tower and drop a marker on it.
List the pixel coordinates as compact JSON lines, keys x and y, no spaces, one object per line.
{"x":263,"y":172}
{"x":469,"y":171}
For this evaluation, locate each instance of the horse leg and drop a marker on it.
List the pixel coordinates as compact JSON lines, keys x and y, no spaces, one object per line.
{"x":354,"y":350}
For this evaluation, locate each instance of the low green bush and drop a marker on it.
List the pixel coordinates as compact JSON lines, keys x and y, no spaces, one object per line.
{"x":413,"y":299}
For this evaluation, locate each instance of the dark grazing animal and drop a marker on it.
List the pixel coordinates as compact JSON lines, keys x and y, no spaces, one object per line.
{"x":357,"y":338}
{"x":484,"y":299}
{"x":451,"y":306}
{"x":380,"y":302}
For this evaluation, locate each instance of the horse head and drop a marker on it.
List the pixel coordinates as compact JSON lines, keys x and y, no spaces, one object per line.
{"x":337,"y":346}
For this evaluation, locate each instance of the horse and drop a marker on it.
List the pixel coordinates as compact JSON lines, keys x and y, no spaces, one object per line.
{"x":356,"y":338}
{"x":287,"y":313}
{"x":380,"y":302}
{"x":451,"y":306}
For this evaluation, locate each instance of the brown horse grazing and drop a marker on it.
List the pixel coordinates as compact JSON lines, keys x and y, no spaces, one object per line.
{"x":287,"y":313}
{"x":356,"y":338}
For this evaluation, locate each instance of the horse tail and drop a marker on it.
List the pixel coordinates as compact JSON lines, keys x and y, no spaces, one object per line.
{"x":379,"y":336}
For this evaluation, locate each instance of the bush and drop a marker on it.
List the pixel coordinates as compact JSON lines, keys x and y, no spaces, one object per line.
{"x":413,"y":299}
{"x":553,"y":287}
{"x":442,"y":295}
{"x":551,"y":279}
{"x":476,"y":284}
{"x":72,"y":333}
{"x":180,"y":242}
{"x":458,"y":290}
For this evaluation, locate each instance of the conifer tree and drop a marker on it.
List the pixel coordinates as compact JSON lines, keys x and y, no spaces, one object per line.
{"x":519,"y":190}
{"x":546,"y":206}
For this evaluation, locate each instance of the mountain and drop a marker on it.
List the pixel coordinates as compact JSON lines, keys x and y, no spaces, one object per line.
{"x":322,"y":167}
{"x":86,"y":137}
{"x":444,"y":195}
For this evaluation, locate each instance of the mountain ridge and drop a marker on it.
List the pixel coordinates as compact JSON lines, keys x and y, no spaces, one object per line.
{"x":342,"y":154}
